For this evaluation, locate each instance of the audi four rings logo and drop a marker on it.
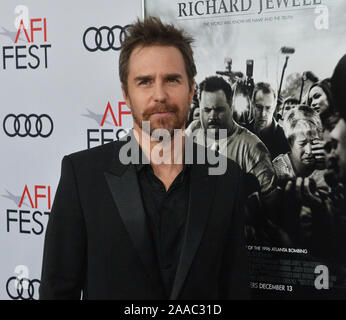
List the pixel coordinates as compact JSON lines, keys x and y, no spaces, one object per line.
{"x":32,"y":125}
{"x":15,"y":288}
{"x":104,"y":38}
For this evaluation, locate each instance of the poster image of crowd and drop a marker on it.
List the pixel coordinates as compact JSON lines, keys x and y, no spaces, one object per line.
{"x":264,"y":70}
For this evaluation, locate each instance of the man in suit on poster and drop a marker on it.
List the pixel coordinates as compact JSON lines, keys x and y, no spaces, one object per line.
{"x":264,"y":124}
{"x":145,"y":229}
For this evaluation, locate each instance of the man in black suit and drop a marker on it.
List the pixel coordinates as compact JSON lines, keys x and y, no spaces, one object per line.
{"x":264,"y":124}
{"x":147,"y":229}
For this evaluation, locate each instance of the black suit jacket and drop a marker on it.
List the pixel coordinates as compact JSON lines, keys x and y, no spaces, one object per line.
{"x":97,"y":240}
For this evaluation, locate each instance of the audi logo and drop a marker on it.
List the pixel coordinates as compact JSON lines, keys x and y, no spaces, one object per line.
{"x":104,"y":38}
{"x":16,"y":290}
{"x":32,"y":125}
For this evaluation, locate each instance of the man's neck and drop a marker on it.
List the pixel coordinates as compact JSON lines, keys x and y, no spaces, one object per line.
{"x":166,"y":157}
{"x":231,"y":127}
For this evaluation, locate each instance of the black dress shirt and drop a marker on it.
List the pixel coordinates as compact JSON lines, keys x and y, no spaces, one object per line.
{"x":167,"y":214}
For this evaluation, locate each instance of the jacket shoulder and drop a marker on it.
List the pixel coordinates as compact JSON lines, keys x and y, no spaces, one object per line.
{"x":99,"y":156}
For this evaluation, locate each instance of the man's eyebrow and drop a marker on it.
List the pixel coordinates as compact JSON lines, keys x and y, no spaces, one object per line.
{"x":150,"y":77}
{"x":173,"y":76}
{"x":143,"y":77}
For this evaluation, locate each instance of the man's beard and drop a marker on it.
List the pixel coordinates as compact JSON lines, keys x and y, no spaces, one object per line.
{"x":175,"y":120}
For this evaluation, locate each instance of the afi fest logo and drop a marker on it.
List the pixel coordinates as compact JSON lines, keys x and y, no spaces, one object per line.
{"x":32,"y":210}
{"x":112,"y":116}
{"x":20,"y":286}
{"x":30,"y":47}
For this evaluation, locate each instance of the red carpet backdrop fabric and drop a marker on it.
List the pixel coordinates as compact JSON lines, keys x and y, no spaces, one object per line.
{"x":60,"y":93}
{"x":294,"y":45}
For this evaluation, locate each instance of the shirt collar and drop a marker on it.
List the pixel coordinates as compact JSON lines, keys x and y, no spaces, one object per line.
{"x":144,"y":164}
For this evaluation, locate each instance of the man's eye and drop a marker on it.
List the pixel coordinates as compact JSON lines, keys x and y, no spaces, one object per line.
{"x":144,"y":82}
{"x":172,"y":80}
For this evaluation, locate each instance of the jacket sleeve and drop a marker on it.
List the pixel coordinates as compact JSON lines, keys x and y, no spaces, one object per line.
{"x":234,"y":281}
{"x":64,"y":254}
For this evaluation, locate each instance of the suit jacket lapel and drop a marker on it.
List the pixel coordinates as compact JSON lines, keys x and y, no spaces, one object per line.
{"x":123,"y":184}
{"x":202,"y":188}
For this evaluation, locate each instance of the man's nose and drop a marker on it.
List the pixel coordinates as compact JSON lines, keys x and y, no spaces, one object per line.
{"x":213,"y":114}
{"x":160,"y":94}
{"x":263,"y":113}
{"x":308,"y":148}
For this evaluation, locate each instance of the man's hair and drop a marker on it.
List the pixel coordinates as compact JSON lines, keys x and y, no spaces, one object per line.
{"x":338,"y":84}
{"x":152,"y":32}
{"x":301,"y":119}
{"x":215,"y":83}
{"x":265,"y":88}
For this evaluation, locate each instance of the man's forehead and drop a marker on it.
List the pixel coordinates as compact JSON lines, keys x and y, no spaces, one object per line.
{"x":213,"y":96}
{"x":260,"y":95}
{"x":147,"y":59}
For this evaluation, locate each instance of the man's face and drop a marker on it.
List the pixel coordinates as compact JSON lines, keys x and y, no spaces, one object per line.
{"x":301,"y":148}
{"x":319,"y":100}
{"x":215,"y":110}
{"x":158,"y":88}
{"x":336,"y":157}
{"x":264,"y":107}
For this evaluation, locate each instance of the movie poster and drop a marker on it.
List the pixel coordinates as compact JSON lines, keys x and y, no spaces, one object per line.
{"x":285,"y":50}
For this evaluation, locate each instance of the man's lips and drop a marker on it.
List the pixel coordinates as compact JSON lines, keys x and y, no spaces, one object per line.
{"x":213,"y":124}
{"x":162,"y":114}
